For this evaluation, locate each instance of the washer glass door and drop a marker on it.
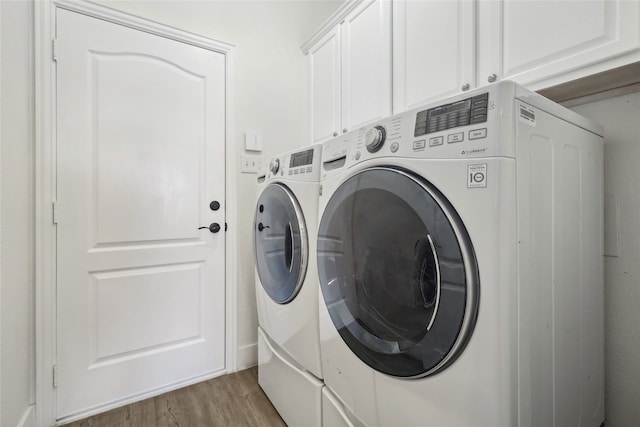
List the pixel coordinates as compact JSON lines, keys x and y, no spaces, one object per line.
{"x":280,"y":243}
{"x":397,"y":271}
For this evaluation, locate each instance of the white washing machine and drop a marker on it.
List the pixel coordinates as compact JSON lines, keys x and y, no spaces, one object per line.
{"x":460,"y":257}
{"x":285,"y":225}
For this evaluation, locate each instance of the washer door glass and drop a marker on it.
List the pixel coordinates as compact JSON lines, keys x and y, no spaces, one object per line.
{"x":398,"y":272}
{"x":280,"y":243}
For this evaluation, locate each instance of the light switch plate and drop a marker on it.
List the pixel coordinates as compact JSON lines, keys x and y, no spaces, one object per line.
{"x":250,"y":164}
{"x":252,"y":141}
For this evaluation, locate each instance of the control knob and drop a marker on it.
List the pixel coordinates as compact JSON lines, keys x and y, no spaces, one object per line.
{"x":374,"y":138}
{"x":274,"y":166}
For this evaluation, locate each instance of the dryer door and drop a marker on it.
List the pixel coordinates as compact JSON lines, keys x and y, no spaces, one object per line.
{"x":280,"y":243}
{"x":398,"y":272}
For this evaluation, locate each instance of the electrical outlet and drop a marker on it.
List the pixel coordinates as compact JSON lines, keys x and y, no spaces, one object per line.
{"x":250,"y":164}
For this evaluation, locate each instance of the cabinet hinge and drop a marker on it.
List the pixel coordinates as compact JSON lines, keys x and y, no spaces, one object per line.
{"x":54,"y":209}
{"x":55,"y":376}
{"x":54,"y":49}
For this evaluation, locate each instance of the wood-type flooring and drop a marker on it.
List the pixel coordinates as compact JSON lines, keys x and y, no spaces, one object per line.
{"x":233,"y":400}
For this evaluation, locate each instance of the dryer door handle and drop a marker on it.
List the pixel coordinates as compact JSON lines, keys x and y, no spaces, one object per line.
{"x":288,"y":247}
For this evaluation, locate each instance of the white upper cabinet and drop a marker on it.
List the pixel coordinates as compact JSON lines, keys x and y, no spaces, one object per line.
{"x":444,"y":47}
{"x":324,"y":62}
{"x":543,"y":43}
{"x":433,"y":50}
{"x":350,"y":70}
{"x":366,"y":64}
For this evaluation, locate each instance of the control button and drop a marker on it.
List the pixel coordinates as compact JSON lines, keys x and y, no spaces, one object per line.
{"x":296,"y":172}
{"x":394,"y":147}
{"x":419,"y":145}
{"x":455,"y":137}
{"x":435,"y":141}
{"x":478,"y":133}
{"x":309,"y":169}
{"x":358,"y":155}
{"x":302,"y":171}
{"x":290,"y":172}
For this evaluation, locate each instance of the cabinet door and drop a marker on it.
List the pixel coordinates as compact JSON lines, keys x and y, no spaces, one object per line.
{"x":324,"y":82}
{"x":366,"y":64}
{"x":433,"y":50}
{"x":549,"y":42}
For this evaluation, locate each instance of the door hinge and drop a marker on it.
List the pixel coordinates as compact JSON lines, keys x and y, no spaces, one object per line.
{"x":54,"y":50}
{"x":54,"y":210}
{"x":55,"y":376}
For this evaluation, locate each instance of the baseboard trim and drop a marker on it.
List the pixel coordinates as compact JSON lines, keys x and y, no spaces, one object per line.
{"x":28,"y":419}
{"x":138,"y":397}
{"x":247,"y":356}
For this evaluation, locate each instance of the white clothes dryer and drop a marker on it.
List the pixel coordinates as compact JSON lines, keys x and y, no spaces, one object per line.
{"x":460,"y":262}
{"x":285,"y":225}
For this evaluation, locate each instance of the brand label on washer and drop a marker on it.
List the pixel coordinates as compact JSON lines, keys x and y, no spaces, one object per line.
{"x":527,"y":115}
{"x":477,"y":176}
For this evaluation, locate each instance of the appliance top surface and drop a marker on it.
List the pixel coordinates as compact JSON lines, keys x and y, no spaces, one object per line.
{"x":474,"y":124}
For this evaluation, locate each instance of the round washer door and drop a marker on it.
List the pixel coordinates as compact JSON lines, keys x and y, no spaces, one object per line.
{"x":280,"y":243}
{"x":398,"y":272}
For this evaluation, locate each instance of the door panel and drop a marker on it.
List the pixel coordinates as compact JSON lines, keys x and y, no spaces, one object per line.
{"x":366,"y":64}
{"x":324,"y":62}
{"x":433,"y":48}
{"x":140,"y":155}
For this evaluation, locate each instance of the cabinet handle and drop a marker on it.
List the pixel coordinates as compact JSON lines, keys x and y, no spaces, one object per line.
{"x":492,"y":78}
{"x":465,"y":87}
{"x":345,"y":130}
{"x":335,"y":134}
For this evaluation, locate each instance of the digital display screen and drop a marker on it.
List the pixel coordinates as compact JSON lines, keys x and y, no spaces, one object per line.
{"x":462,"y":105}
{"x":301,"y":158}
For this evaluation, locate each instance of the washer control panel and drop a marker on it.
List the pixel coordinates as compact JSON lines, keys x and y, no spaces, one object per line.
{"x":465,"y":126}
{"x":460,"y":113}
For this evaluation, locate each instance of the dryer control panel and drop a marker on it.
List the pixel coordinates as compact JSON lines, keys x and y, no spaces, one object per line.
{"x":300,"y":165}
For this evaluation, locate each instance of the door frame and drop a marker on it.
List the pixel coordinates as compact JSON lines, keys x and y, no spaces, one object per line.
{"x":45,"y":185}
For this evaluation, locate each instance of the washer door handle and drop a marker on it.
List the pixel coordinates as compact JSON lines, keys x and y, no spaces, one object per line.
{"x":437,"y":268}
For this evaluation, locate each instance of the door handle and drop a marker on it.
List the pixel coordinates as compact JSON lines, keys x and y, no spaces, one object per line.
{"x":214,"y":227}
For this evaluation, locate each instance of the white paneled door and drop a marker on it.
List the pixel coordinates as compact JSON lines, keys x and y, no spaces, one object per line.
{"x":140,"y":157}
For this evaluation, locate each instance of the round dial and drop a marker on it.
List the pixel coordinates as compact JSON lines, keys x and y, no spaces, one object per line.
{"x":374,"y":138}
{"x":274,"y":166}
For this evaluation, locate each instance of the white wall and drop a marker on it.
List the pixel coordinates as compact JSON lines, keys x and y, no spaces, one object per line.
{"x":620,"y":117}
{"x":270,"y":97}
{"x":17,"y":214}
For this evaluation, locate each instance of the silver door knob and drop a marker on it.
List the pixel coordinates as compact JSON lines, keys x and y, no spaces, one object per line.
{"x":492,"y":78}
{"x":465,"y":87}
